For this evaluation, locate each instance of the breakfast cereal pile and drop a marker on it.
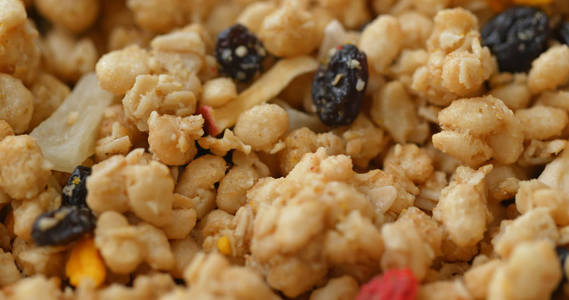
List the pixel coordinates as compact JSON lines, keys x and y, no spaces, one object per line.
{"x":284,"y":149}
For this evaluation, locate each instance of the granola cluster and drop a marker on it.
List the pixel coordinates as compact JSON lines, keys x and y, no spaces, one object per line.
{"x":135,"y":165}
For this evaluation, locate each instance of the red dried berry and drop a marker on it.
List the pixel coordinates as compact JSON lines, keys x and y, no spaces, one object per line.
{"x":392,"y":285}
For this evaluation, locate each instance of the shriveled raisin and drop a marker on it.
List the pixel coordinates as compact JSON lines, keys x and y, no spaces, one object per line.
{"x":63,"y":225}
{"x":239,"y":53}
{"x":339,"y":85}
{"x":564,"y":32}
{"x":75,"y":191}
{"x":516,"y":37}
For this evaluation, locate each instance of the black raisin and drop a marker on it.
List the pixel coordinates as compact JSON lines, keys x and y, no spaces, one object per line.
{"x":564,"y":32}
{"x":339,"y":85}
{"x":75,"y":191}
{"x":239,"y":53}
{"x":63,"y":225}
{"x":516,"y":37}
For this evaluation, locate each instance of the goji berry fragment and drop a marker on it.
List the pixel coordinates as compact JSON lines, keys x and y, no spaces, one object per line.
{"x":392,"y":285}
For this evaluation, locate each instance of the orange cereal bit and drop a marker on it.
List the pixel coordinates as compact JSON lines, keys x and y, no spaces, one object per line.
{"x":224,"y":245}
{"x":85,"y":262}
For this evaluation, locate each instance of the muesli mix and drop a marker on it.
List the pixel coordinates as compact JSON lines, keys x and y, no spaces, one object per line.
{"x":284,"y":149}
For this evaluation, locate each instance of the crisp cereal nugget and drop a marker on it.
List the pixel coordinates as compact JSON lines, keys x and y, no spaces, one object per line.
{"x":68,"y":57}
{"x":198,"y":180}
{"x":150,"y":190}
{"x":557,"y":99}
{"x":512,"y":89}
{"x":23,"y":171}
{"x":172,"y":139}
{"x":478,"y":278}
{"x":536,"y":224}
{"x":301,"y":141}
{"x":9,"y":272}
{"x":352,"y":13}
{"x":531,"y":272}
{"x":117,"y":70}
{"x":48,"y":93}
{"x":16,"y":103}
{"x":431,"y":191}
{"x":161,"y":93}
{"x":158,"y":15}
{"x":5,"y":129}
{"x":414,"y":161}
{"x":262,"y":126}
{"x":114,"y":237}
{"x":542,"y":152}
{"x":415,"y":29}
{"x":221,"y":146}
{"x":26,"y":211}
{"x":458,"y":65}
{"x":533,"y":194}
{"x":404,"y":247}
{"x":409,"y":60}
{"x":117,"y":142}
{"x":35,"y":260}
{"x":462,"y":207}
{"x":13,"y":13}
{"x":232,"y":190}
{"x":36,"y":287}
{"x":106,"y":186}
{"x":341,"y":288}
{"x":184,"y":250}
{"x":253,"y":15}
{"x":363,"y":140}
{"x":73,"y":15}
{"x":211,"y":276}
{"x":381,"y":41}
{"x":20,"y":55}
{"x":145,"y":287}
{"x":494,"y":131}
{"x":542,"y":122}
{"x":549,"y":70}
{"x":555,"y":173}
{"x":289,"y":31}
{"x":394,"y":109}
{"x":444,"y":290}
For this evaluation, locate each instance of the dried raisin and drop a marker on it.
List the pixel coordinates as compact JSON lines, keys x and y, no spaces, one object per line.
{"x":239,"y":53}
{"x":75,"y":191}
{"x":63,"y":225}
{"x":516,"y":37}
{"x":564,"y":32}
{"x":339,"y":85}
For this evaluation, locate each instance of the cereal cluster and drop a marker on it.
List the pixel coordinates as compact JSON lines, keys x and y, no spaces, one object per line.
{"x":284,"y":149}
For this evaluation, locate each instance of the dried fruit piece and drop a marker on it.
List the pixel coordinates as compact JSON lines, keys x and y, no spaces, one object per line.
{"x":564,"y":32}
{"x":516,"y":37}
{"x":74,"y":192}
{"x":68,"y":136}
{"x":339,"y":85}
{"x":263,"y":89}
{"x":239,"y":53}
{"x":85,"y":262}
{"x":392,"y":285}
{"x":63,"y":225}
